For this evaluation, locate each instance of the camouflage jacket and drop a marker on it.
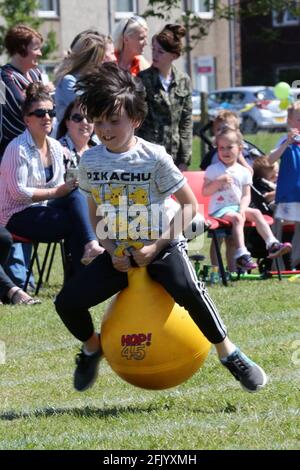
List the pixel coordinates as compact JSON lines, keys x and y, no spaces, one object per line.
{"x":169,"y":118}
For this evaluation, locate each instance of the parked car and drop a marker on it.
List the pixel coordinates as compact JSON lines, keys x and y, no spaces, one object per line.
{"x":196,"y":101}
{"x":257,"y":107}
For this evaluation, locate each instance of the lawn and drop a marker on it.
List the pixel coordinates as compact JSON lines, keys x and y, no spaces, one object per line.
{"x":40,"y":410}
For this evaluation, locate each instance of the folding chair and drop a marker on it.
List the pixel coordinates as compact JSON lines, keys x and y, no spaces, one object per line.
{"x":35,"y":259}
{"x":195,"y":180}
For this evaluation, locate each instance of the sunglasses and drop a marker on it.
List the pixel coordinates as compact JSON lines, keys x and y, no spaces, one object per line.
{"x":133,"y":19}
{"x":41,"y":113}
{"x":76,"y":117}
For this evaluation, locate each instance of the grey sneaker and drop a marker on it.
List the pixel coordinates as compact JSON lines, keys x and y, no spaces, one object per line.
{"x":86,"y":370}
{"x":251,"y":376}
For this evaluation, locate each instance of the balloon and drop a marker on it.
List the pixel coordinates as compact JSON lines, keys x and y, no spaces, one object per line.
{"x":284,"y":104}
{"x":149,"y":340}
{"x":282,"y":90}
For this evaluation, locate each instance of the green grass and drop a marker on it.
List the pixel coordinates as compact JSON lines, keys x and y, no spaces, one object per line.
{"x":40,"y":410}
{"x":266,"y":141}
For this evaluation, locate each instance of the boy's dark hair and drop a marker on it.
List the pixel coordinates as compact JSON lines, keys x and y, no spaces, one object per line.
{"x":108,"y":89}
{"x":35,"y":92}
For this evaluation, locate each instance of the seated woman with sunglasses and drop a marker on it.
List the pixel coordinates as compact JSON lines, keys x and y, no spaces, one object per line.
{"x":130,"y":38}
{"x":35,"y":202}
{"x":75,"y":134}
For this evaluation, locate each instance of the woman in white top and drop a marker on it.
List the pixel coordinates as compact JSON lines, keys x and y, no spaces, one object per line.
{"x":35,"y":202}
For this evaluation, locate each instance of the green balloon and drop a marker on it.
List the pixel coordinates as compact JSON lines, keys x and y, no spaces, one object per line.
{"x":282,"y":90}
{"x":284,"y":104}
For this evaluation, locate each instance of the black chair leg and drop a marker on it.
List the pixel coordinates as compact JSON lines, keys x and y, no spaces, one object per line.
{"x":33,"y":258}
{"x":40,"y":281}
{"x":51,"y":261}
{"x":278,"y":269}
{"x":219,"y":258}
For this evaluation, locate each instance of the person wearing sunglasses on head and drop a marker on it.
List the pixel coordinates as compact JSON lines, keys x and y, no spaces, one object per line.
{"x":130,"y":39}
{"x":35,"y":202}
{"x":75,"y":133}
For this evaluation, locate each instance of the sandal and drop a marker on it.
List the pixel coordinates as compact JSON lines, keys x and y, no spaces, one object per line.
{"x":16,"y":299}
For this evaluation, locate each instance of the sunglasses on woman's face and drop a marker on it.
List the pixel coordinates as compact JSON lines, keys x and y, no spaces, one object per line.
{"x":76,"y":117}
{"x":41,"y":113}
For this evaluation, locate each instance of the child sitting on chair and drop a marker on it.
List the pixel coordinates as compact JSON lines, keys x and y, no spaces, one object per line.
{"x":128,"y":167}
{"x":228,"y":184}
{"x":226,"y":119}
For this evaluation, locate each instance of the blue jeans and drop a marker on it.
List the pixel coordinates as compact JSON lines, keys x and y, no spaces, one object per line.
{"x":63,"y":218}
{"x":16,"y":266}
{"x":5,"y":245}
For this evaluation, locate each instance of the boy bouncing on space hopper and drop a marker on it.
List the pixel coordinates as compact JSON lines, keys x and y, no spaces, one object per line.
{"x":126,"y":165}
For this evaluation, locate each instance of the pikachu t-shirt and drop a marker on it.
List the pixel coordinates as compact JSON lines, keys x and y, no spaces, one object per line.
{"x":130,"y":189}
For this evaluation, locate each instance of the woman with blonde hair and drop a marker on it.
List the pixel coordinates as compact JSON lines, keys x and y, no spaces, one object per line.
{"x":88,"y":51}
{"x":130,"y":38}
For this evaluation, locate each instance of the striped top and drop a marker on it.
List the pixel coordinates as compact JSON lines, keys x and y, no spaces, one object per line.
{"x":22,"y":172}
{"x":12,"y":94}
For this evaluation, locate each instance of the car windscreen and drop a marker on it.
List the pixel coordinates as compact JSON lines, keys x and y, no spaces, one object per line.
{"x":265,"y":94}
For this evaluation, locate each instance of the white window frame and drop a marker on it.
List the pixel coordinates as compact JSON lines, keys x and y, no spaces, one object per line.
{"x":120,"y":15}
{"x":285,"y":20}
{"x":50,"y":13}
{"x":206,"y":15}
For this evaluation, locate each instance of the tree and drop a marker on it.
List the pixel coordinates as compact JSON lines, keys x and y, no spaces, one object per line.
{"x":25,"y":12}
{"x":199,"y":27}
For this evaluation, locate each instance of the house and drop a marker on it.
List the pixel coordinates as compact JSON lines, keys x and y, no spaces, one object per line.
{"x":269,"y":46}
{"x":211,"y":63}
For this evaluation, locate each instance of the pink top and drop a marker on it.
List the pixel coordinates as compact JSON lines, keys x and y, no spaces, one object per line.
{"x":22,"y":172}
